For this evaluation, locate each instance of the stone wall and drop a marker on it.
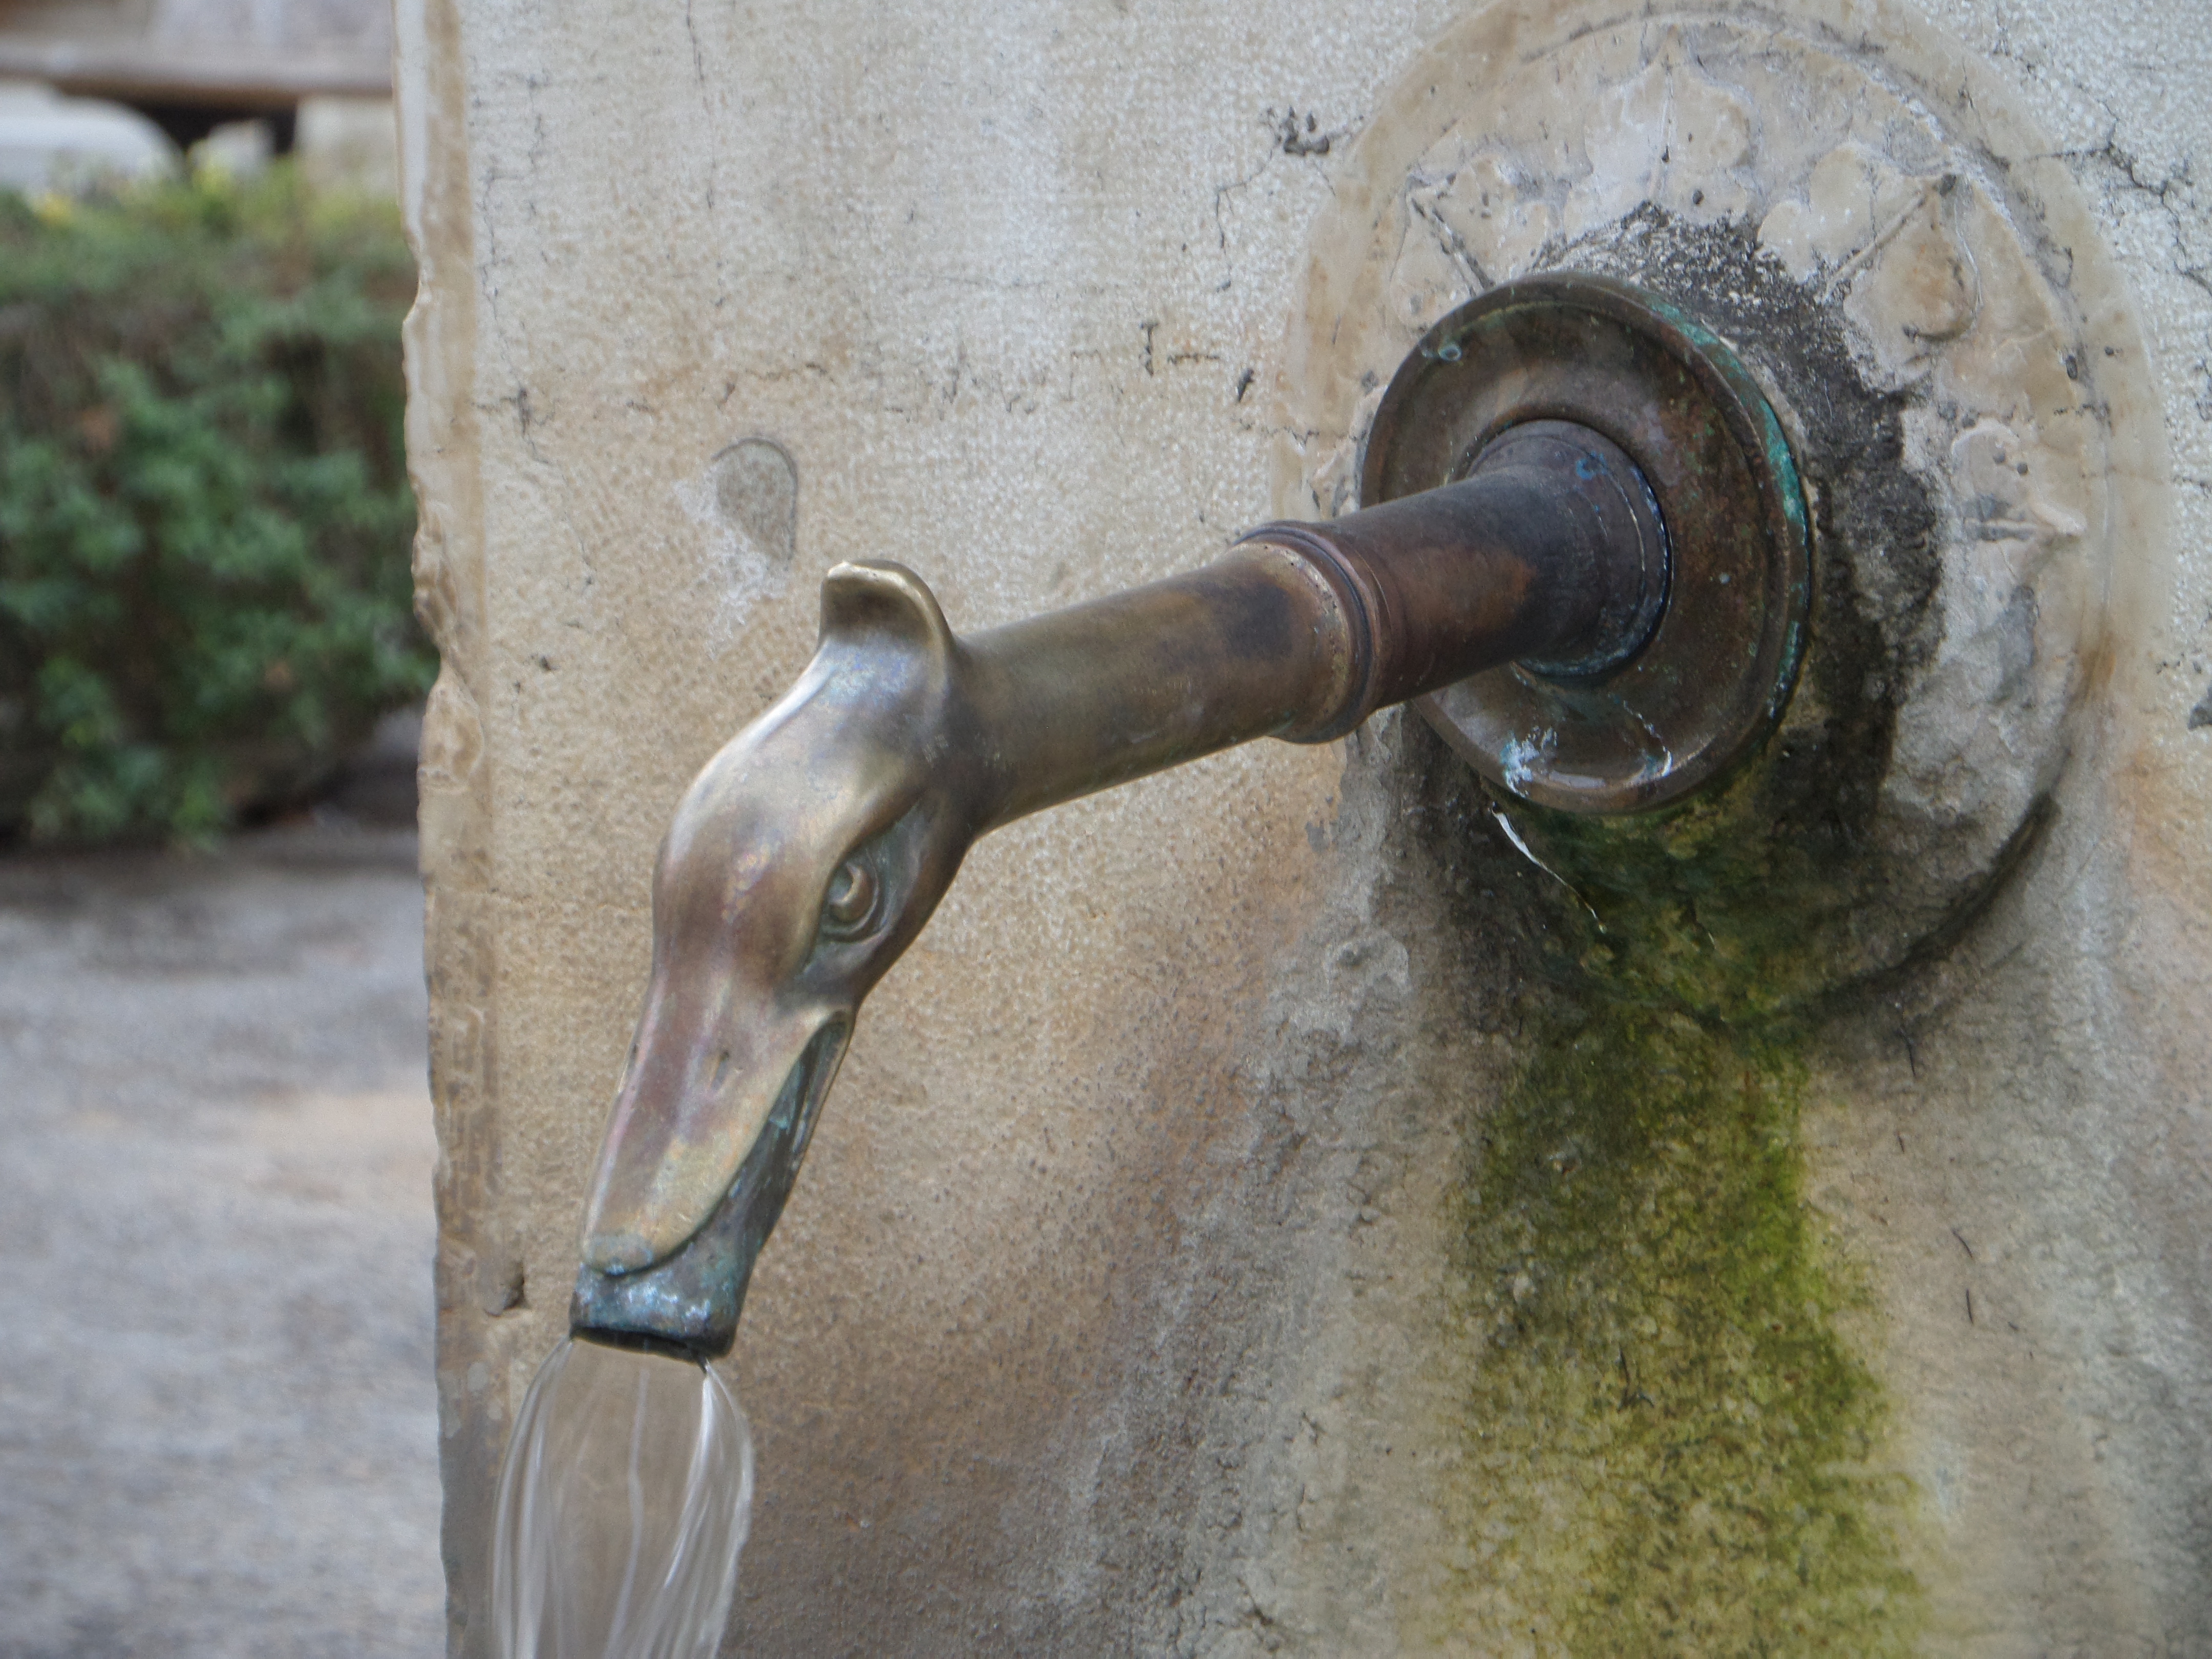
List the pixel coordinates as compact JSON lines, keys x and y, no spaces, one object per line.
{"x":1155,"y":1280}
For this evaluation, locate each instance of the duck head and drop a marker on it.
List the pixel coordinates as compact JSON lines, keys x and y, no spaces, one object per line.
{"x":800,"y":863}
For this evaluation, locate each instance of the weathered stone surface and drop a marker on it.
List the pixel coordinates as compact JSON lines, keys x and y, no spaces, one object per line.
{"x":1125,"y":1303}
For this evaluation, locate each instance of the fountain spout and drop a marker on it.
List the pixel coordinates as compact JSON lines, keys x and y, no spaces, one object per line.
{"x":811,"y":850}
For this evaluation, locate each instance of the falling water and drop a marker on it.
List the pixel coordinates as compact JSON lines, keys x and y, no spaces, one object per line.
{"x":622,"y":1505}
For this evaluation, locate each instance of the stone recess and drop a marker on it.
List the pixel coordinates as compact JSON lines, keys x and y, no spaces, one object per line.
{"x":1101,"y":1319}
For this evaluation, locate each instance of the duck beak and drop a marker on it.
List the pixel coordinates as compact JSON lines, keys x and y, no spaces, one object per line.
{"x":691,"y":1180}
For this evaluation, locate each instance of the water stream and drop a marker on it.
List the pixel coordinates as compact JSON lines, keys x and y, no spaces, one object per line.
{"x":622,"y":1505}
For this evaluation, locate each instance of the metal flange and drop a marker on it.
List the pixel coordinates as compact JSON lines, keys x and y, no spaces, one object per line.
{"x":1719,"y":665}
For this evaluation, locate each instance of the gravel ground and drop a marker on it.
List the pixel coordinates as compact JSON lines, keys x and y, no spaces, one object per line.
{"x":218,"y":1427}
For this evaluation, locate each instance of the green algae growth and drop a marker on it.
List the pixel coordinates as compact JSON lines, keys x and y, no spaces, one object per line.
{"x":1674,"y":1450}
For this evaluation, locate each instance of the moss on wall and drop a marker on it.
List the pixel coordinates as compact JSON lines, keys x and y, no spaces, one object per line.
{"x":1674,"y":1449}
{"x":1675,"y":1445}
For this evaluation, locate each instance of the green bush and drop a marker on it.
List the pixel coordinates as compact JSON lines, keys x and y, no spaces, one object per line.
{"x":204,"y":514}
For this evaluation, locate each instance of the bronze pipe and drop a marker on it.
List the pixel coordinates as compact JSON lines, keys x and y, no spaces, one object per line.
{"x":811,"y":851}
{"x":1551,"y":549}
{"x":1080,"y":700}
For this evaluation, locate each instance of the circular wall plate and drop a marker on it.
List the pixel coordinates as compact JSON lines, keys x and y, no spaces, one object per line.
{"x":1719,"y":667}
{"x":1929,"y":304}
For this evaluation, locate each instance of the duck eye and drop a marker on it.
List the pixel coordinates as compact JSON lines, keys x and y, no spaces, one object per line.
{"x":849,"y":911}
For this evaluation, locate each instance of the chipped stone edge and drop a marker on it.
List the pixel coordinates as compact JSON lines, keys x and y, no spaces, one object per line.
{"x":429,"y":78}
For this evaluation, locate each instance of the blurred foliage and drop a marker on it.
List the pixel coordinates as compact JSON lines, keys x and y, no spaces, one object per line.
{"x":205,"y":513}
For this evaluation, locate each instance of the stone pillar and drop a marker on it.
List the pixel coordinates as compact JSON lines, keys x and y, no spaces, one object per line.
{"x":1222,"y":1237}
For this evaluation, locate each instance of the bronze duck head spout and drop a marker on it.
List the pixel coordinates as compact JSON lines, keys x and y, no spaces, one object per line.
{"x":801,"y":863}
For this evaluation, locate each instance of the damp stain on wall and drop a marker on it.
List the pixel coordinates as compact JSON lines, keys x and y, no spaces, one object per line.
{"x":1670,"y":1438}
{"x":1671,"y":1448}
